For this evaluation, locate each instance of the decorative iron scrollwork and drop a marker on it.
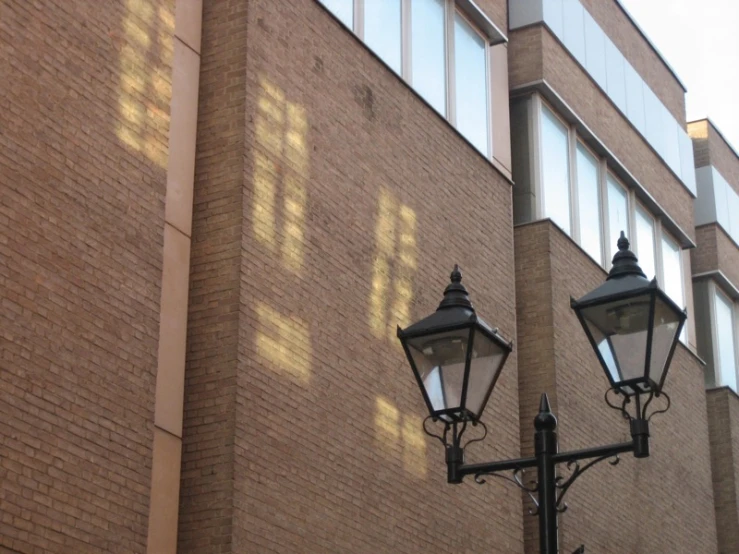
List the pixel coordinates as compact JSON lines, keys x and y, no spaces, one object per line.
{"x":564,"y":484}
{"x":517,"y":479}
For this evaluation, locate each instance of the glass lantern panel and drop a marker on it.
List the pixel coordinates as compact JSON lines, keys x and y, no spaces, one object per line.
{"x":666,"y":323}
{"x":440,"y":361}
{"x":620,"y":331}
{"x":487,"y":359}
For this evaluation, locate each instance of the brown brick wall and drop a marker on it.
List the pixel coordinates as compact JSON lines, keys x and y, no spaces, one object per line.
{"x":637,"y":50}
{"x":206,"y":496}
{"x":344,"y":230}
{"x":710,"y":148}
{"x":723,"y":422}
{"x":634,"y":494}
{"x":82,"y":170}
{"x":698,"y":131}
{"x":723,"y":157}
{"x":536,"y":48}
{"x":715,"y":251}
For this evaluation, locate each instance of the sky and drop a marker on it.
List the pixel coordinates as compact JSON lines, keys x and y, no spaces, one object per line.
{"x":699,"y":40}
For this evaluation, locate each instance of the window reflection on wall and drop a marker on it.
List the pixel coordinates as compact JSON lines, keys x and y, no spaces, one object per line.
{"x":393,"y":268}
{"x":395,"y":431}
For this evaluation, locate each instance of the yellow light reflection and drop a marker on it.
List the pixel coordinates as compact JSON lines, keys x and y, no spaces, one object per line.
{"x":398,"y":432}
{"x":285,"y":342}
{"x":146,"y":37}
{"x":414,"y":447}
{"x":281,"y":166}
{"x":394,"y":263}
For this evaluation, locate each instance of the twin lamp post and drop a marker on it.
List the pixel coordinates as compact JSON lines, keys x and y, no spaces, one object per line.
{"x":632,"y":326}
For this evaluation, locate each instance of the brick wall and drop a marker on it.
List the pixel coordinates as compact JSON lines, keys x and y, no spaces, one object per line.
{"x":710,"y":148}
{"x":723,"y":417}
{"x":633,"y":495}
{"x":82,"y":170}
{"x":354,"y":202}
{"x":206,"y":496}
{"x":535,"y":49}
{"x":715,"y":251}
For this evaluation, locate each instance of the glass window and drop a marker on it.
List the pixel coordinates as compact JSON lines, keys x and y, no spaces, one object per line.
{"x":588,"y":201}
{"x":382,"y":30}
{"x":470,"y":84}
{"x":343,"y":9}
{"x":645,"y":242}
{"x":673,"y":273}
{"x":618,"y":216}
{"x":428,"y":68}
{"x":726,"y":363}
{"x":555,"y":170}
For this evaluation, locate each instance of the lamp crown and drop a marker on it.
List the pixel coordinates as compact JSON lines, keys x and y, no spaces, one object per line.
{"x":545,"y":420}
{"x":455,"y":294}
{"x":625,"y":261}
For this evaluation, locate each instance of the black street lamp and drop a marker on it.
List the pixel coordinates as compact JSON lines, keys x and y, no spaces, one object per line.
{"x":456,"y":358}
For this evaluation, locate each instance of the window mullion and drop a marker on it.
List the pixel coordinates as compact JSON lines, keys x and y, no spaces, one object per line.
{"x":659,"y":261}
{"x":604,"y":223}
{"x":489,"y":94}
{"x":450,"y":73}
{"x":405,"y":41}
{"x":538,"y":168}
{"x":574,"y":197}
{"x":359,"y":18}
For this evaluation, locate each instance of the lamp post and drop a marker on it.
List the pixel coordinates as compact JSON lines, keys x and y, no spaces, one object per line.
{"x":456,"y":357}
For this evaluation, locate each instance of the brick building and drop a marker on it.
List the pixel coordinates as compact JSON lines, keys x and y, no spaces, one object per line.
{"x":215,"y":214}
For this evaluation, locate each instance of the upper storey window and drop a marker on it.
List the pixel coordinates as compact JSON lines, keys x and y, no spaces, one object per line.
{"x":442,"y":53}
{"x":559,"y":177}
{"x":601,"y":59}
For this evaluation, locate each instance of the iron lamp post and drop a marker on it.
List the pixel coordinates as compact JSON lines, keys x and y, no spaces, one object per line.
{"x":456,"y":358}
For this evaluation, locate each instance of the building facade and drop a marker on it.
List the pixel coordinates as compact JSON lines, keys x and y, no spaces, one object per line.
{"x":214,"y":216}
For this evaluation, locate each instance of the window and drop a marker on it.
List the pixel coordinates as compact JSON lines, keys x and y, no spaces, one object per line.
{"x":470,"y":79}
{"x":438,"y":51}
{"x":599,"y":208}
{"x":672,"y":273}
{"x":343,"y":9}
{"x":588,"y":203}
{"x":618,"y":216}
{"x":555,"y":172}
{"x":725,"y":365}
{"x":382,"y":30}
{"x":645,"y":242}
{"x":428,"y":53}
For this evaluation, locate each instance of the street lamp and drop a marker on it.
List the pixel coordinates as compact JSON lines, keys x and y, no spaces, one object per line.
{"x":456,"y":357}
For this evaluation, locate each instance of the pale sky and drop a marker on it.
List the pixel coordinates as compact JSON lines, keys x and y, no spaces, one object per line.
{"x":700,"y":41}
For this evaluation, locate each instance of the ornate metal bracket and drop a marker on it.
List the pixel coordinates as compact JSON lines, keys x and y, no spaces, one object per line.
{"x":640,"y":411}
{"x":457,"y":431}
{"x":517,"y":479}
{"x":564,"y":484}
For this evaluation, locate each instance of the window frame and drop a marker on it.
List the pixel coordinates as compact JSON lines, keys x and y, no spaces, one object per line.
{"x":541,"y":193}
{"x":575,"y":194}
{"x":714,"y":292}
{"x":656,"y":233}
{"x":610,"y":249}
{"x":451,"y":9}
{"x":574,"y":139}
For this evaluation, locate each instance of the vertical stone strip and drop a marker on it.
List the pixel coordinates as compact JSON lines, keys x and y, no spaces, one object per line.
{"x":168,"y":410}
